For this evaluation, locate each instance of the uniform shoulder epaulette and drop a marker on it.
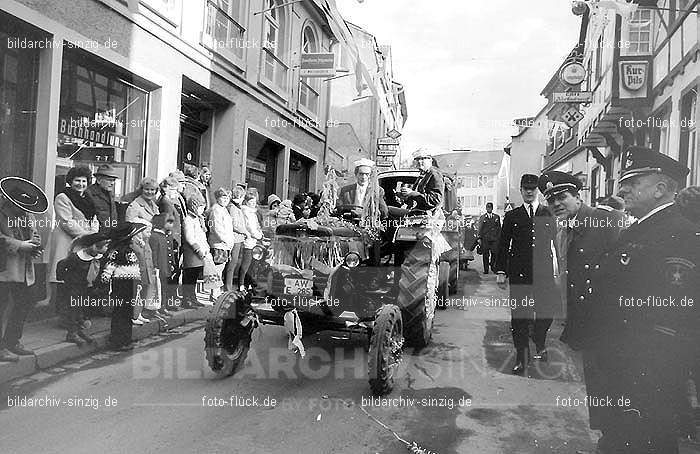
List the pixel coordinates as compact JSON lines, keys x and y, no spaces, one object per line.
{"x":604,"y":207}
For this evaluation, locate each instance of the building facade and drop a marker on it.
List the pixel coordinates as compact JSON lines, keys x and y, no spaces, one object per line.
{"x":476,"y":178}
{"x":358,"y":115}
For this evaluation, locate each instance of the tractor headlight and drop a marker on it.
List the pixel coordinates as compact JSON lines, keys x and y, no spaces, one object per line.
{"x":258,"y":253}
{"x":352,"y":259}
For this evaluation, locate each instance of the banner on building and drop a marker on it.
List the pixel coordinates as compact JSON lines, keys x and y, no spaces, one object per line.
{"x":317,"y":65}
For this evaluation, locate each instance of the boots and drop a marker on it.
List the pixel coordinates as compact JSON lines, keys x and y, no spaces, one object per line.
{"x":521,"y":360}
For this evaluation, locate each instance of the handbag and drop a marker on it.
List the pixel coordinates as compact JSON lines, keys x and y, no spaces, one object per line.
{"x":220,"y":256}
{"x":212,"y":279}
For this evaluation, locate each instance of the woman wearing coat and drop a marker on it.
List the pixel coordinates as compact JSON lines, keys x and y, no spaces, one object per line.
{"x":240,"y":233}
{"x":141,"y":211}
{"x":195,"y":248}
{"x":220,"y":227}
{"x":75,"y":216}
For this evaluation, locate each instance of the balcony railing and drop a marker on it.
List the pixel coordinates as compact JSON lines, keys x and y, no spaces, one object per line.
{"x":224,"y":34}
{"x":275,"y":72}
{"x":308,"y":97}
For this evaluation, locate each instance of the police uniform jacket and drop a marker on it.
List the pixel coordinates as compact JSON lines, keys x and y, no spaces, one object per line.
{"x":643,"y":283}
{"x":490,"y":227}
{"x":582,"y":241}
{"x":526,"y":253}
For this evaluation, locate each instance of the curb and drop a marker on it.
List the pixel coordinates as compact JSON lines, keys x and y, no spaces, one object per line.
{"x":49,"y":356}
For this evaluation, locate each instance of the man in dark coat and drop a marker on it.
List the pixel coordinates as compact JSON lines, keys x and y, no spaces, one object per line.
{"x":358,"y":193}
{"x":645,"y":321}
{"x":102,"y":194}
{"x":584,"y":234}
{"x":527,"y":257}
{"x":429,"y":192}
{"x":489,"y":232}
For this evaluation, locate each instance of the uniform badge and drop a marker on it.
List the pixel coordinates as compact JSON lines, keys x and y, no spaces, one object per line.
{"x":678,"y":270}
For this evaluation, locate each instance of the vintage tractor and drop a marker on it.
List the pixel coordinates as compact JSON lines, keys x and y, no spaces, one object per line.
{"x":340,"y":273}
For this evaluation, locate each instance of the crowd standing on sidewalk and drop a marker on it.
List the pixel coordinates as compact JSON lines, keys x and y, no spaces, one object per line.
{"x":136,"y":260}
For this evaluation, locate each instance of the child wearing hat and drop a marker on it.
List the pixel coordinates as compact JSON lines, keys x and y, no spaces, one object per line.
{"x":77,"y":291}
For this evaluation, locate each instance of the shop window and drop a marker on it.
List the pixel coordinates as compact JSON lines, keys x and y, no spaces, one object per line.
{"x":224,"y":31}
{"x":275,"y":70}
{"x":18,"y":96}
{"x":299,"y":173}
{"x":309,"y":88}
{"x":261,"y":164}
{"x":103,"y":117}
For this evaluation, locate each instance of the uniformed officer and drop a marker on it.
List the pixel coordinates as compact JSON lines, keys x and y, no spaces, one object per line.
{"x":526,"y":256}
{"x":644,"y":287}
{"x":584,"y":234}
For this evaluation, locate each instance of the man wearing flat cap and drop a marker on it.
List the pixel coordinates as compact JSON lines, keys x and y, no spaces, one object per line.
{"x":642,"y":288}
{"x":429,"y":193}
{"x":20,"y":200}
{"x":584,"y":234}
{"x":102,"y":193}
{"x":526,"y":256}
{"x":359,"y":193}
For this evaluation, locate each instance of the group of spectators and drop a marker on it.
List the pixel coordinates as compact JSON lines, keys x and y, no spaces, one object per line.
{"x":137,"y":259}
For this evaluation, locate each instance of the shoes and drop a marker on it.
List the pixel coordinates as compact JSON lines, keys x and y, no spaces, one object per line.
{"x":8,"y":356}
{"x":521,"y":361}
{"x":20,"y":350}
{"x":86,"y":337}
{"x":519,"y":368}
{"x":136,"y":321}
{"x":143,"y":319}
{"x":73,"y":337}
{"x":241,"y":288}
{"x":541,"y":355}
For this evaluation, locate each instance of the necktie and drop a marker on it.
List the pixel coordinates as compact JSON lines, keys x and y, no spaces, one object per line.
{"x":529,"y":207}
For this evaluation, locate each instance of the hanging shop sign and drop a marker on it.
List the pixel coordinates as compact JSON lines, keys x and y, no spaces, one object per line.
{"x":394,"y":134}
{"x":317,"y":65}
{"x":572,"y":73}
{"x":387,"y":141}
{"x":634,"y":74}
{"x":574,"y":97}
{"x":91,"y":132}
{"x":571,"y":116}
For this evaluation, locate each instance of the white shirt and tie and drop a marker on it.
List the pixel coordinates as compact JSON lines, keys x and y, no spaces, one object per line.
{"x":360,"y":195}
{"x":531,"y":208}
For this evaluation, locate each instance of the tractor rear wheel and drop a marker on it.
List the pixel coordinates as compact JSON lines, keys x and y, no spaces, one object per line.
{"x":417,"y":288}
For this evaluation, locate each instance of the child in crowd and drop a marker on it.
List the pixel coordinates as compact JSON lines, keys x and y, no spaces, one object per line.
{"x":161,"y":242}
{"x":285,"y":213}
{"x":76,"y":292}
{"x":250,"y":214}
{"x":121,"y":271}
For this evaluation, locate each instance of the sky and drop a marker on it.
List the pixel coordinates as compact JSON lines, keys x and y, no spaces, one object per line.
{"x":469,"y":67}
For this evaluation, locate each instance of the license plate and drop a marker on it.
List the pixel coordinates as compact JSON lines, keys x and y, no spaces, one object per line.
{"x":297,"y":286}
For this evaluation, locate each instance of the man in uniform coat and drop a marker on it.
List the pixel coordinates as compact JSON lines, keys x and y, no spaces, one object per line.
{"x":584,"y":234}
{"x":527,"y":257}
{"x":645,"y":321}
{"x":429,"y":192}
{"x":489,"y":232}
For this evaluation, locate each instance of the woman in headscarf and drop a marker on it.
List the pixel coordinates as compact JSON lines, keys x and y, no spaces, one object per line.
{"x":195,"y":249}
{"x":75,"y":216}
